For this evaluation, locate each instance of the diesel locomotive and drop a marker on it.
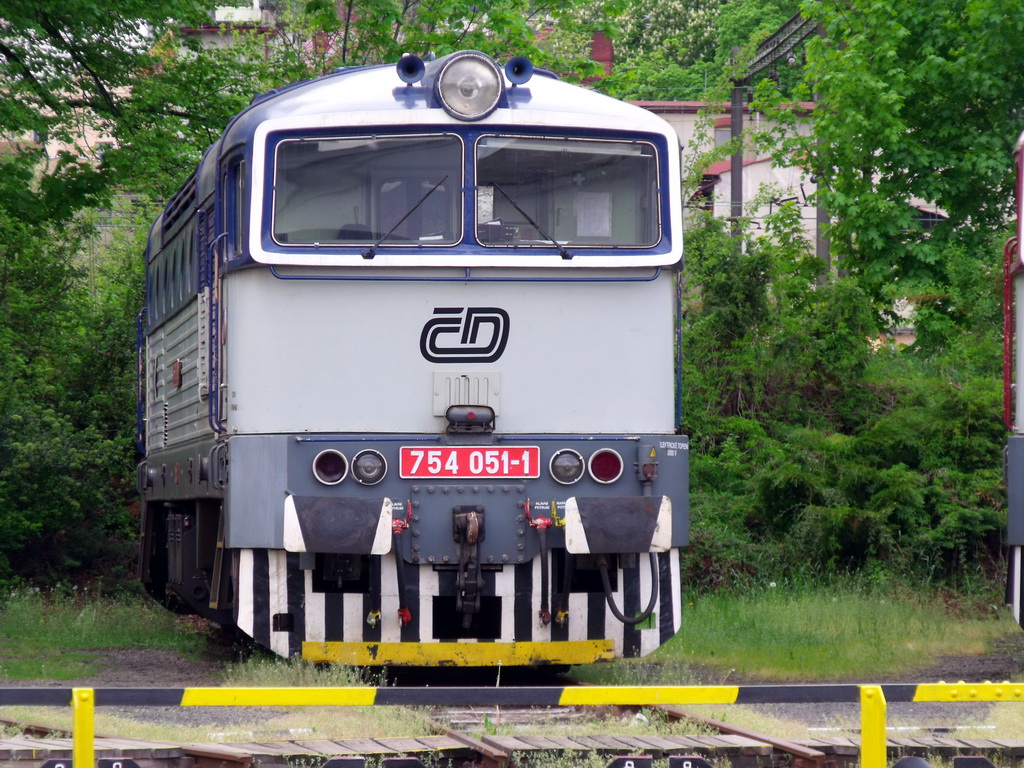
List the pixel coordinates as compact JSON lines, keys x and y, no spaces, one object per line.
{"x":409,"y":370}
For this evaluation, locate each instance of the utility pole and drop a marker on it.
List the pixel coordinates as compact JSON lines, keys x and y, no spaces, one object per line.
{"x":781,"y":44}
{"x":735,"y":132}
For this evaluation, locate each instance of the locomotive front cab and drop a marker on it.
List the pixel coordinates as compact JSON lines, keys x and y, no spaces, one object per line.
{"x":440,"y":374}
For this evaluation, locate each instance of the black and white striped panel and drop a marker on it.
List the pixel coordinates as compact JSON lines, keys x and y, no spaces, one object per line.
{"x":589,"y":615}
{"x":271,"y":582}
{"x":346,"y":617}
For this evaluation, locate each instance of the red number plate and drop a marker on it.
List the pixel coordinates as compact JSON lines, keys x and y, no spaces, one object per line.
{"x":467,"y":462}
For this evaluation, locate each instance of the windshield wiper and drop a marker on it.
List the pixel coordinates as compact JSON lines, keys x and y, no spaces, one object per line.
{"x":564,"y":252}
{"x":370,"y":252}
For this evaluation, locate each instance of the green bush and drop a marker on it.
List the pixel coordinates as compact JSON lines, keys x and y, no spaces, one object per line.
{"x":818,"y":450}
{"x":67,"y":338}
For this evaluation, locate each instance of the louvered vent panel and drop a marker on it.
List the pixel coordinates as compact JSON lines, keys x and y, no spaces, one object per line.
{"x":466,"y":389}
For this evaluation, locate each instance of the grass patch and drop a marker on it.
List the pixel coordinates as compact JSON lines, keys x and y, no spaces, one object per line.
{"x":824,"y":634}
{"x":226,"y":725}
{"x":52,"y":635}
{"x":265,"y":671}
{"x":848,"y":633}
{"x":343,"y":722}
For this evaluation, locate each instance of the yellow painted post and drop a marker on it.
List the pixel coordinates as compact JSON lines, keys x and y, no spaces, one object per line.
{"x":83,"y":727}
{"x":872,"y":727}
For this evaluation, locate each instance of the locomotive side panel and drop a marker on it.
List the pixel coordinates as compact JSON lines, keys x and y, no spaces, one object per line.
{"x":175,"y":409}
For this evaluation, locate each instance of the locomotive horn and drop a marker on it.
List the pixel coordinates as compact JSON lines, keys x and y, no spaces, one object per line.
{"x":518,"y":70}
{"x":410,"y":68}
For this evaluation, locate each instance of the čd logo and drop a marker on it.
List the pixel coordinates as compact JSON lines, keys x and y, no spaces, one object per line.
{"x":465,"y":335}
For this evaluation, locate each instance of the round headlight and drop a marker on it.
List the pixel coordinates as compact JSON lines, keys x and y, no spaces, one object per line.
{"x":330,"y":467}
{"x":469,"y":86}
{"x":369,"y":467}
{"x":567,"y":466}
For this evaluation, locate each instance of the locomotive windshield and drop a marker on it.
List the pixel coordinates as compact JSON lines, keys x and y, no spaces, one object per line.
{"x":533,"y":191}
{"x":368,"y":190}
{"x":530,"y":191}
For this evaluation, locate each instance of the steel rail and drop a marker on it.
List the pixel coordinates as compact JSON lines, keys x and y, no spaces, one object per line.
{"x":492,"y":756}
{"x":799,"y":751}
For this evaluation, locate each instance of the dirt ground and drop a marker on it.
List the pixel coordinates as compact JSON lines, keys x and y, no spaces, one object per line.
{"x":148,"y":668}
{"x":1004,"y":662}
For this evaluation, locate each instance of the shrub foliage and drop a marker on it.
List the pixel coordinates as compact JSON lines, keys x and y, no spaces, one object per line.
{"x":67,"y":340}
{"x":821,"y":448}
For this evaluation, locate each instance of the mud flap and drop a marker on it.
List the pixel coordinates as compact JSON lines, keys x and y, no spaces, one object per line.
{"x":337,"y":525}
{"x":618,"y":525}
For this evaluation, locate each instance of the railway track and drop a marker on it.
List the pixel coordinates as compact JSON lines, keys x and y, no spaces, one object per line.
{"x":33,"y":729}
{"x":480,"y":734}
{"x":799,"y":755}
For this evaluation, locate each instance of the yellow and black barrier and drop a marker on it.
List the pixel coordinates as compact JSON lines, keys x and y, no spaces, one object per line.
{"x":872,"y":700}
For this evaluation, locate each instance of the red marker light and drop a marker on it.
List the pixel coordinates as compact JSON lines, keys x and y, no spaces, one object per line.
{"x":330,"y":467}
{"x":606,"y":466}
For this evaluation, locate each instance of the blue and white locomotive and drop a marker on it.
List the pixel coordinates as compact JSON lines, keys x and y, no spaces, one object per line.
{"x":408,"y":371}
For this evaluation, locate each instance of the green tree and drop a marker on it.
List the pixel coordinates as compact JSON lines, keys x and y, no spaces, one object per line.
{"x":125,"y":73}
{"x":66,"y":452}
{"x":66,"y":68}
{"x":919,"y":105}
{"x":327,"y":34}
{"x":659,"y":77}
{"x":745,"y":24}
{"x":683,"y":50}
{"x":687,"y":27}
{"x":77,"y":71}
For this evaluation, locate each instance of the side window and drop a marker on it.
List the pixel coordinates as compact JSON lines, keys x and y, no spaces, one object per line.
{"x":165,"y":284}
{"x":156,"y":281}
{"x":232,"y":206}
{"x":150,"y":304}
{"x":176,"y":277}
{"x":241,"y":217}
{"x":190,"y":260}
